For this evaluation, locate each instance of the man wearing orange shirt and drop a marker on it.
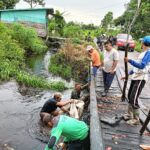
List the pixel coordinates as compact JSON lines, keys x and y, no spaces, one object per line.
{"x":95,"y":57}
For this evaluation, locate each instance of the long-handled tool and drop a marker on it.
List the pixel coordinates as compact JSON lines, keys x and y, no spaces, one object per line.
{"x":126,"y":50}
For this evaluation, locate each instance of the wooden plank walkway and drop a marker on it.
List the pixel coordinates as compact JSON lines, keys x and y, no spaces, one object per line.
{"x":121,"y":136}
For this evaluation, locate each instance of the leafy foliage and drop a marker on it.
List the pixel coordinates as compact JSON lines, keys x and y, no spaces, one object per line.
{"x":70,"y":62}
{"x":14,"y":43}
{"x":108,"y":20}
{"x":8,"y":4}
{"x":28,"y":39}
{"x":59,"y":66}
{"x":11,"y":54}
{"x":141,"y":26}
{"x":72,"y":31}
{"x":56,"y":24}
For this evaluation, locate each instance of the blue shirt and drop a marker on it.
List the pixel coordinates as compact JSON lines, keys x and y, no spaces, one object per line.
{"x":142,"y":64}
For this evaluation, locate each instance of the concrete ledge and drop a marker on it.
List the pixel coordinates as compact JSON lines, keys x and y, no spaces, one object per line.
{"x":96,"y":138}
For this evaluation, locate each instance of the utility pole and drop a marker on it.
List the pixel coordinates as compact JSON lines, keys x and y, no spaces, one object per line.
{"x":31,"y":4}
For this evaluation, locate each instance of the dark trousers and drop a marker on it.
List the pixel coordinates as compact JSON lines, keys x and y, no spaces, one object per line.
{"x":108,"y":78}
{"x":79,"y":144}
{"x":135,"y":90}
{"x":76,"y":145}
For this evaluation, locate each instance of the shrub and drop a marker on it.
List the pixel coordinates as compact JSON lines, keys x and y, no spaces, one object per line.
{"x":12,"y":57}
{"x":72,"y":31}
{"x":70,"y":62}
{"x":28,"y":39}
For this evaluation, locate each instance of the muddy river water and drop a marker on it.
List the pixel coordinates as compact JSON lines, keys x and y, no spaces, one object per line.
{"x":20,"y":128}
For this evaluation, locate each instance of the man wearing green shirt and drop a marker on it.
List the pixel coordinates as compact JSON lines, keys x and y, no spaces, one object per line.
{"x":74,"y":131}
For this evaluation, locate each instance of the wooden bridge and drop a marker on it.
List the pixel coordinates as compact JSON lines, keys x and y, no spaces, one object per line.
{"x":104,"y":133}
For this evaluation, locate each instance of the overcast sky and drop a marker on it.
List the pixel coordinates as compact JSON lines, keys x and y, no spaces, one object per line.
{"x":86,"y":11}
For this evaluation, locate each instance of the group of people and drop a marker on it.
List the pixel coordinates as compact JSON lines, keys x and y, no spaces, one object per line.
{"x":141,"y":68}
{"x":76,"y":132}
{"x":56,"y":113}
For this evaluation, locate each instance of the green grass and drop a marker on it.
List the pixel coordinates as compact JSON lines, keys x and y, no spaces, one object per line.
{"x":58,"y":66}
{"x":38,"y":82}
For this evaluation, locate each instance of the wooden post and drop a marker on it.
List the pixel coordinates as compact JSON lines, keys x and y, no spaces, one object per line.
{"x":96,"y":139}
{"x":126,"y":74}
{"x":127,"y":47}
{"x":145,"y":124}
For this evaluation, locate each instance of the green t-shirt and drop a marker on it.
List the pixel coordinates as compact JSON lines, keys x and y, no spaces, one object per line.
{"x":72,"y":129}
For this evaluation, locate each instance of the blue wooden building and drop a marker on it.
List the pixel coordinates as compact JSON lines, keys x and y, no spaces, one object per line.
{"x":36,"y":18}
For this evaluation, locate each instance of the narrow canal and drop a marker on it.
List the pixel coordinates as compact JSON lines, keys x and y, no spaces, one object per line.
{"x":20,"y":128}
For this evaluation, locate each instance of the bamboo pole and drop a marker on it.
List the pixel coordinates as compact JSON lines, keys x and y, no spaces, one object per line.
{"x":126,"y":50}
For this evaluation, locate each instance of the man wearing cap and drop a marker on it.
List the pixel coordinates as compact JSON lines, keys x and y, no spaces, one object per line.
{"x":96,"y":62}
{"x":141,"y":68}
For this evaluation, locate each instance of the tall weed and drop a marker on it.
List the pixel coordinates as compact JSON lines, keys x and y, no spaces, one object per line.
{"x":28,"y":38}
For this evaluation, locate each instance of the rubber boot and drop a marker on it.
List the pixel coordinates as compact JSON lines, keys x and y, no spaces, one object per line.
{"x":136,"y":114}
{"x":135,"y":120}
{"x":105,"y":91}
{"x":129,"y":114}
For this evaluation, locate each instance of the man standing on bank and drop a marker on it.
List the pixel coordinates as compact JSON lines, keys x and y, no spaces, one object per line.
{"x":111,"y":57}
{"x":141,"y":68}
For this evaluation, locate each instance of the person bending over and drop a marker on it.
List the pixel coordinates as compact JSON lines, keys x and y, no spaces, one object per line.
{"x":51,"y":105}
{"x":75,"y":132}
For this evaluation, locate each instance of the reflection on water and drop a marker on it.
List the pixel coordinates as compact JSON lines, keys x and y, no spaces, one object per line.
{"x":36,"y":64}
{"x":39,"y":66}
{"x":36,"y":129}
{"x":20,"y":126}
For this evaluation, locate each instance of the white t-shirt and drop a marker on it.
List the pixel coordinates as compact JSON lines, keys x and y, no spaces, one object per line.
{"x":109,"y":58}
{"x":141,"y":74}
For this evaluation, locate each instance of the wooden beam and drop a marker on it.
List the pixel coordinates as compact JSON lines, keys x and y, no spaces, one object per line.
{"x":96,"y":139}
{"x":145,"y":123}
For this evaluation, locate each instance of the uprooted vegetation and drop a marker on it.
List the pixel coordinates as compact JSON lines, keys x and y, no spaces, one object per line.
{"x":70,"y":62}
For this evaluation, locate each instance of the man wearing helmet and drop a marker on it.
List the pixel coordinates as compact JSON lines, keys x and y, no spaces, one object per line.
{"x":141,"y":68}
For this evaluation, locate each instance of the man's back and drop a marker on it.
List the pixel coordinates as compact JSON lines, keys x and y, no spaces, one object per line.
{"x":75,"y":94}
{"x":95,"y":58}
{"x":49,"y":106}
{"x":70,"y":128}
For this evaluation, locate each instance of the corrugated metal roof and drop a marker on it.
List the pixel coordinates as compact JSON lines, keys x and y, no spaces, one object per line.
{"x":51,"y":10}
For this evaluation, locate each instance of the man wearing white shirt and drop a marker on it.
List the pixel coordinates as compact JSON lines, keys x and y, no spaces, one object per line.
{"x":111,"y":57}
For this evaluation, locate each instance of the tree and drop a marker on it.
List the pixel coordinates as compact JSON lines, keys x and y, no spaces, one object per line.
{"x":142,"y":24}
{"x":9,"y":4}
{"x":57,"y":23}
{"x":35,"y":2}
{"x":108,"y":20}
